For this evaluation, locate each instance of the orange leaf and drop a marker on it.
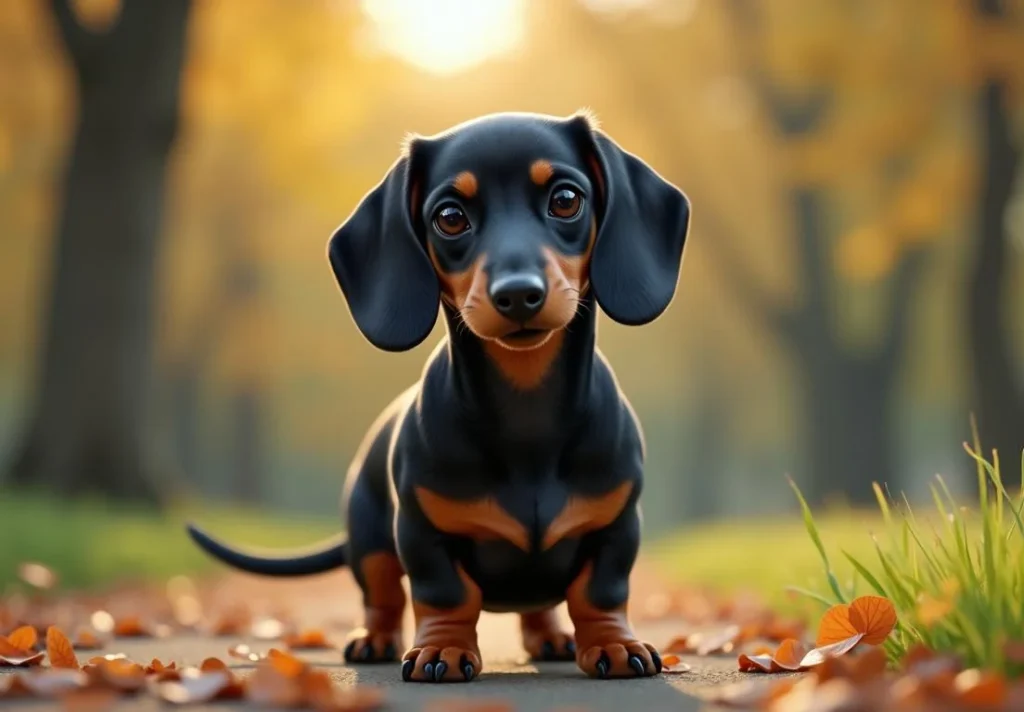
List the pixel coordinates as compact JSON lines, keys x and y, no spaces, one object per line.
{"x":873,"y":616}
{"x":755,"y":663}
{"x":86,"y":639}
{"x":213,"y":665}
{"x":9,"y":650}
{"x":835,"y":626}
{"x":59,"y":650}
{"x":21,"y":659}
{"x":269,"y":687}
{"x":823,"y":653}
{"x":24,"y":638}
{"x":673,"y":665}
{"x":789,"y":655}
{"x":121,"y":674}
{"x":983,"y":690}
{"x":307,"y":640}
{"x":679,"y":644}
{"x":285,"y":664}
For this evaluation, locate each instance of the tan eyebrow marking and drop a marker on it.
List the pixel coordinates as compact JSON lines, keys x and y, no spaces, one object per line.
{"x":541,"y":171}
{"x":466,"y":184}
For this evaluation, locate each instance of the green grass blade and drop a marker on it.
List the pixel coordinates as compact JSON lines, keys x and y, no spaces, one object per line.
{"x":812,"y":531}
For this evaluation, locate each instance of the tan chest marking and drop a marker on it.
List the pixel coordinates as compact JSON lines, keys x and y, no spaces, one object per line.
{"x":480,"y":519}
{"x":586,"y":514}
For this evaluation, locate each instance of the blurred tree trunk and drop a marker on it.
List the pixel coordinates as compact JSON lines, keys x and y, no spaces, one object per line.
{"x":88,"y":426}
{"x":999,"y":394}
{"x":248,"y":441}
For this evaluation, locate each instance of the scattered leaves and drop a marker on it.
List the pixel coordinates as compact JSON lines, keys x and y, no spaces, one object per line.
{"x":59,"y":650}
{"x":671,"y":664}
{"x":24,"y":638}
{"x":313,"y":639}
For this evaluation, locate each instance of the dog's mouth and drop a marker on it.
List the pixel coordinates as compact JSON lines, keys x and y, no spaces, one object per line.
{"x":525,"y":339}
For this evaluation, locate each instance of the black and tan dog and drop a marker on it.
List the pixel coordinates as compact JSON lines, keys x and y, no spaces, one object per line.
{"x":508,"y":477}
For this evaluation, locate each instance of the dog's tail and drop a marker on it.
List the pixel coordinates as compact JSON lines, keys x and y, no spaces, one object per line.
{"x":320,"y":558}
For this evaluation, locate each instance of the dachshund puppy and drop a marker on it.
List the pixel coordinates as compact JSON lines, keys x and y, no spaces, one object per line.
{"x":508,"y":477}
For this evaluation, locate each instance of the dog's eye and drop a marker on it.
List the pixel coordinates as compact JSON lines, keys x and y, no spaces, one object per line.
{"x":565,"y":203}
{"x":451,"y":221}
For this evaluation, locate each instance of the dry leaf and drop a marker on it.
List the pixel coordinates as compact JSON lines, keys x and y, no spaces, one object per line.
{"x":54,"y":682}
{"x":835,"y":626}
{"x":286,"y":664}
{"x":823,"y":653}
{"x":194,"y":686}
{"x":268,"y":686}
{"x":718,"y":641}
{"x":873,"y":616}
{"x":24,"y":638}
{"x":21,"y":659}
{"x":679,"y":644}
{"x":244,"y":652}
{"x":60,"y":650}
{"x":789,"y":655}
{"x":87,"y":639}
{"x":120,"y":674}
{"x":307,"y":640}
{"x":213,"y":665}
{"x":672,"y":664}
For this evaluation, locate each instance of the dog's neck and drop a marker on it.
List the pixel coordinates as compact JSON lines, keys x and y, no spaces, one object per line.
{"x":488,"y":387}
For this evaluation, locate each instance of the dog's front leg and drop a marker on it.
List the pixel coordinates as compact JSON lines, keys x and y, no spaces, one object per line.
{"x":597,"y":599}
{"x":446,"y":604}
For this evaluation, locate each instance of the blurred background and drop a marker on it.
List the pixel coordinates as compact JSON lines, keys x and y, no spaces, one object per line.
{"x":170,"y":171}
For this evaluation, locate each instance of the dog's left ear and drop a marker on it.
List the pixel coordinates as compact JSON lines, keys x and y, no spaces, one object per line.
{"x":642,"y":224}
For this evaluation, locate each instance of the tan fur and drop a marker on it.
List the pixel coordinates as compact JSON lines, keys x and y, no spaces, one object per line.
{"x":478,"y":519}
{"x":585,"y":514}
{"x":541,"y":172}
{"x":466,"y":184}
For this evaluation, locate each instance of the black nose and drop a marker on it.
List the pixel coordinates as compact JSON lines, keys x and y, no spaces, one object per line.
{"x":519,"y":296}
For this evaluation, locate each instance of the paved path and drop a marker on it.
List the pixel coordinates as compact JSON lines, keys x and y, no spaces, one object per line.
{"x":507,"y":676}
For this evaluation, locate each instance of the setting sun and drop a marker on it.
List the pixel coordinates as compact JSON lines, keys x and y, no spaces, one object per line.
{"x":446,"y":36}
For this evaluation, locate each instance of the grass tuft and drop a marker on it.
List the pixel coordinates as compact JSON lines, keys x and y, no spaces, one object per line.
{"x":956,"y":577}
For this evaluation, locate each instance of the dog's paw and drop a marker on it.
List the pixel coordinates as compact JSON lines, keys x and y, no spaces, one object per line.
{"x":433,"y":664}
{"x":364,"y":646}
{"x":549,"y":645}
{"x":620,"y":659}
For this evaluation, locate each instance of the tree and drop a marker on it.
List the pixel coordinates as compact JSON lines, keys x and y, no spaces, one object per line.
{"x":803,"y":86}
{"x":999,"y":392}
{"x":87,"y":429}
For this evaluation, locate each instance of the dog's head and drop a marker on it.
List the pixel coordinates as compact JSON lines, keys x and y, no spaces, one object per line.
{"x":510,"y":219}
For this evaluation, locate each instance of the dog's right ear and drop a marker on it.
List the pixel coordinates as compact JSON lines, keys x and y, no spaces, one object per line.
{"x":383,"y":270}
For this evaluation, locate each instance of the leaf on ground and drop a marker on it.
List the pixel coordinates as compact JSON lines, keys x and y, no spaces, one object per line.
{"x":54,"y":682}
{"x":24,"y":638}
{"x":87,"y":639}
{"x":59,"y":650}
{"x":719,"y":641}
{"x":268,"y":686}
{"x":835,"y":625}
{"x":789,"y":655}
{"x":823,"y":653}
{"x":673,"y":665}
{"x":286,"y":664}
{"x":679,"y":644}
{"x":21,"y":659}
{"x":213,"y":665}
{"x":37,"y":575}
{"x":158,"y":667}
{"x":194,"y":686}
{"x":119,"y":674}
{"x":874,"y":616}
{"x":244,"y":652}
{"x":90,"y":699}
{"x":313,"y":639}
{"x":100,"y":659}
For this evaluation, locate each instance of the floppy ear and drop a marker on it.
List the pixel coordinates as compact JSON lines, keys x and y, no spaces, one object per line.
{"x":643,"y":221}
{"x":383,"y":270}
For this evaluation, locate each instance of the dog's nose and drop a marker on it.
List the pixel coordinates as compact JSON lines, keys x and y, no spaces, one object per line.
{"x":519,"y":297}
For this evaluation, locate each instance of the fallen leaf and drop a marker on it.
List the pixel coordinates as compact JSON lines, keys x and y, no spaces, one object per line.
{"x":718,"y":641}
{"x":54,"y":682}
{"x":789,"y":655}
{"x":673,"y":665}
{"x":835,"y":626}
{"x":37,"y":575}
{"x":822,"y":653}
{"x":60,"y":650}
{"x":24,"y":638}
{"x":87,"y":639}
{"x":981,"y":690}
{"x":874,"y":616}
{"x":755,"y":663}
{"x":307,"y":640}
{"x":679,"y":644}
{"x":268,"y":686}
{"x":194,"y":686}
{"x":22,"y":659}
{"x":120,"y":674}
{"x":286,"y":664}
{"x":157,"y":667}
{"x":213,"y":665}
{"x":244,"y":652}
{"x":130,"y":627}
{"x":100,"y":659}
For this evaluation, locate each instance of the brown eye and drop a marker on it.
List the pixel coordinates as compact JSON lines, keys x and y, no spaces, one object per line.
{"x":565,"y":203}
{"x":451,"y":221}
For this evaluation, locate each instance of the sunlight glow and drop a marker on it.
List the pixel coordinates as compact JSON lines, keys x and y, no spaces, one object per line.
{"x":446,"y":36}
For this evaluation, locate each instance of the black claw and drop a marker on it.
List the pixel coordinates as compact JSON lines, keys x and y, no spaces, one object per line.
{"x":440,"y":670}
{"x":428,"y":671}
{"x":390,"y":653}
{"x":407,"y":667}
{"x":366,"y":653}
{"x":638,"y":665}
{"x":656,"y":657}
{"x":348,"y":651}
{"x":570,"y":646}
{"x":467,"y":671}
{"x":602,"y":666}
{"x":547,"y":651}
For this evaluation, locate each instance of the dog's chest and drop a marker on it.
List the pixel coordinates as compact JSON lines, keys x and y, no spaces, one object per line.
{"x":522,"y":543}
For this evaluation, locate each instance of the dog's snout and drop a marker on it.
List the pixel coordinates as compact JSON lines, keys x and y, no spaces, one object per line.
{"x":519,"y":297}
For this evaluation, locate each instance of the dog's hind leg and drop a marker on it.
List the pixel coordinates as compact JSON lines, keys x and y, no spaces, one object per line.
{"x":375,"y":564}
{"x":544,"y":638}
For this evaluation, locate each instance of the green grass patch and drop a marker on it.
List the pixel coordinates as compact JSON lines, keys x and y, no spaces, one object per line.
{"x":956,"y":578}
{"x":93,"y":545}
